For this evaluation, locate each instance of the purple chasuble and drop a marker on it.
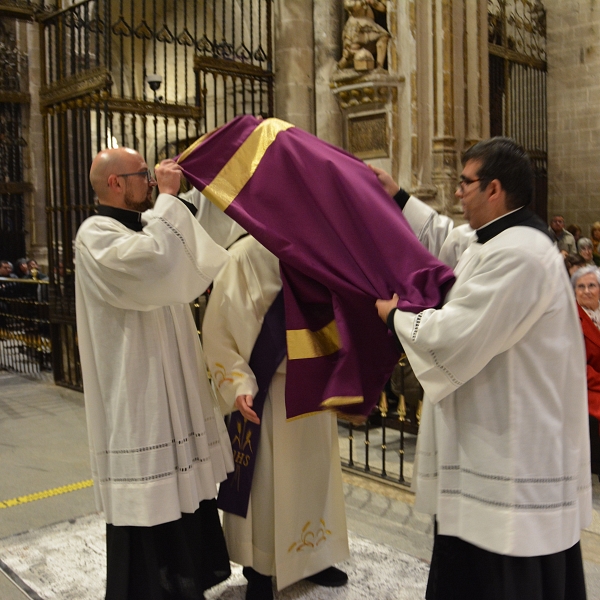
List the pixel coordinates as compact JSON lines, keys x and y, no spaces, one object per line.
{"x":342,"y":243}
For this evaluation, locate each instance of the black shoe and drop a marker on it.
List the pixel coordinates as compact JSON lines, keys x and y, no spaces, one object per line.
{"x":330,"y":577}
{"x":259,"y":587}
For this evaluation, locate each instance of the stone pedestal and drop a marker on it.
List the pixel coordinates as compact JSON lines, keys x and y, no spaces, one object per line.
{"x":368,"y":103}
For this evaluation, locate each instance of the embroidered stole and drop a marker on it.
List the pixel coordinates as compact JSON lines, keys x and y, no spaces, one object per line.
{"x":268,"y":352}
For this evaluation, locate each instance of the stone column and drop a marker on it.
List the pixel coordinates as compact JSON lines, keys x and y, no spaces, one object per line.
{"x":447,"y":55}
{"x":35,"y":201}
{"x":328,"y":33}
{"x":449,"y":94}
{"x":476,"y":63}
{"x":294,"y":63}
{"x":421,"y":100}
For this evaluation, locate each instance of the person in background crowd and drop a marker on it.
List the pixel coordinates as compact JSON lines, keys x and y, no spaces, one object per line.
{"x":586,"y":282}
{"x":595,"y":236}
{"x":561,"y":237}
{"x":21,"y":268}
{"x":34,"y":270}
{"x":6,"y":269}
{"x":504,"y":415}
{"x":158,"y":443}
{"x":586,"y":250}
{"x":574,"y":262}
{"x":27,"y":291}
{"x":8,"y":289}
{"x":575,"y":231}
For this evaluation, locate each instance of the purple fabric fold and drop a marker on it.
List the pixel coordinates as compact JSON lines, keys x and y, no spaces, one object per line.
{"x":342,"y":243}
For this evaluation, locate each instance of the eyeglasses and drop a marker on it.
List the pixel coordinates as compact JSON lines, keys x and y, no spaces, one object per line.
{"x":465,"y":181}
{"x":145,"y":173}
{"x":582,"y":287}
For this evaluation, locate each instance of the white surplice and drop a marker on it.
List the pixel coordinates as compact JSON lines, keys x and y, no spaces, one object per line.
{"x":503,"y":448}
{"x":220,"y":226}
{"x":158,"y":444}
{"x":296,"y":521}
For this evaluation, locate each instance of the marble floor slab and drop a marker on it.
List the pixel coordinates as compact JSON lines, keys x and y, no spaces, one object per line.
{"x":67,"y":561}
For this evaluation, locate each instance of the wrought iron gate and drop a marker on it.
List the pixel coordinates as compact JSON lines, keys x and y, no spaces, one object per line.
{"x":13,"y":96}
{"x":518,"y":109}
{"x":153,"y":75}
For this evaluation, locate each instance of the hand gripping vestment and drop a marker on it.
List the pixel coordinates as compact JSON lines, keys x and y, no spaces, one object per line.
{"x":503,"y":450}
{"x":157,"y":442}
{"x":296,"y":524}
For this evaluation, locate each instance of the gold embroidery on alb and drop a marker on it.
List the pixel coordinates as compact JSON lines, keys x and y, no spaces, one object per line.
{"x":304,"y":343}
{"x":220,"y":375}
{"x":238,"y":170}
{"x":241,"y":445}
{"x":310,"y":538}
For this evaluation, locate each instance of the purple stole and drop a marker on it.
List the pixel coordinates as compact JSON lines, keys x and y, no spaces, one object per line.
{"x":267,"y":354}
{"x":342,"y":243}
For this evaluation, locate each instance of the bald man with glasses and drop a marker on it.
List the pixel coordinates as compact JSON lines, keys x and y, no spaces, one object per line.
{"x":158,"y":444}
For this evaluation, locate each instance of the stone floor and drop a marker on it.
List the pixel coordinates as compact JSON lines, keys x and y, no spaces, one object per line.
{"x":44,"y":458}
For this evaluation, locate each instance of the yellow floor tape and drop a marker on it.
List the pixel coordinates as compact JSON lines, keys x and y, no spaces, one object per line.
{"x":72,"y":487}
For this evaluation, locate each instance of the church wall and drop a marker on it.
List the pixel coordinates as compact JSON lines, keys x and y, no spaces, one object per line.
{"x":573,"y":46}
{"x":437,"y":68}
{"x":328,"y":31}
{"x":294,"y":63}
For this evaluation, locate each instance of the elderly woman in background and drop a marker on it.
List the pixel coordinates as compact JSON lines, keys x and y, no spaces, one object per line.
{"x":586,"y":282}
{"x":586,"y":249}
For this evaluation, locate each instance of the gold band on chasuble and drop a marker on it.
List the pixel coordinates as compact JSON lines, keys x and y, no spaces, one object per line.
{"x":341,"y":401}
{"x":304,"y":343}
{"x":238,"y":170}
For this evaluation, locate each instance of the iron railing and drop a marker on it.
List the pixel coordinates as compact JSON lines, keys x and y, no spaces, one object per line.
{"x":384,"y":447}
{"x":25,"y":345}
{"x":13,"y":187}
{"x":518,"y":81}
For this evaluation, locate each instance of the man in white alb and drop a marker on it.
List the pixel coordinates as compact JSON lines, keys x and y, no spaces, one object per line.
{"x":503,"y":449}
{"x":294,"y":524}
{"x":158,"y":443}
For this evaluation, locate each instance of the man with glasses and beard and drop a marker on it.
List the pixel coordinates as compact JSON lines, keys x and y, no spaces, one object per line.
{"x":158,"y":444}
{"x":503,"y":449}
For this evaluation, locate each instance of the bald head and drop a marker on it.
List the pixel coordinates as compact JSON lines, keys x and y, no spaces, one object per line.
{"x":111,"y":162}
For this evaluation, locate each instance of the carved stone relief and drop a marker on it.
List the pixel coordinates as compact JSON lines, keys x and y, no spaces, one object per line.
{"x":364,"y":39}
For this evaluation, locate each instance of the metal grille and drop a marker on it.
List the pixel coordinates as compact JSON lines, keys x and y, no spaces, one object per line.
{"x":13,"y":80}
{"x":384,"y":447}
{"x":152,"y":75}
{"x":24,"y":326}
{"x":518,"y":109}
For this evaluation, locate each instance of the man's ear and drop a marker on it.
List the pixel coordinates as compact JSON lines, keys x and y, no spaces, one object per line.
{"x":496,"y":192}
{"x":113,"y":182}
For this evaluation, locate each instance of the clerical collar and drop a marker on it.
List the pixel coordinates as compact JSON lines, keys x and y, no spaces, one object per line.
{"x":521,"y":216}
{"x":130,"y":218}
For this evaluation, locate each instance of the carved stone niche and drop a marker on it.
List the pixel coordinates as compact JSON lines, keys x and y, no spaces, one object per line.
{"x":369,"y":117}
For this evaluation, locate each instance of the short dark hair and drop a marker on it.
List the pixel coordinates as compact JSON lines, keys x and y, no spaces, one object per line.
{"x":574,"y":260}
{"x":503,"y":159}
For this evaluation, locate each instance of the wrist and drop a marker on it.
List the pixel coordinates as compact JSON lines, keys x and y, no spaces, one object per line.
{"x":390,"y":319}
